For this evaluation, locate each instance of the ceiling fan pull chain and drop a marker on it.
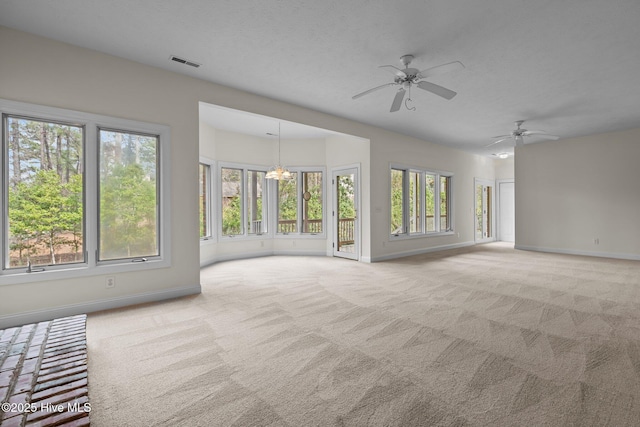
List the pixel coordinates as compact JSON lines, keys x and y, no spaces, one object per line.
{"x":406,"y":101}
{"x":407,"y":106}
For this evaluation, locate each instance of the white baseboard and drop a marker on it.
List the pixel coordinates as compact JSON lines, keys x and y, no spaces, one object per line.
{"x":421,"y":251}
{"x":289,"y":252}
{"x":249,"y":255}
{"x":615,"y":255}
{"x":25,"y":318}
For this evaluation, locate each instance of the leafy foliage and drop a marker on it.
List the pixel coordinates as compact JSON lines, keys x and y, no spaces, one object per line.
{"x":45,"y":192}
{"x":127,"y":213}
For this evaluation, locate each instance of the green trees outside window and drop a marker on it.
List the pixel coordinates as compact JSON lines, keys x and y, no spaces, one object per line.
{"x":312,"y":211}
{"x":417,"y":211}
{"x":45,"y":192}
{"x":128,"y":189}
{"x":288,"y":204}
{"x":397,"y":201}
{"x":231,"y":181}
{"x":256,"y":217}
{"x":300,"y":207}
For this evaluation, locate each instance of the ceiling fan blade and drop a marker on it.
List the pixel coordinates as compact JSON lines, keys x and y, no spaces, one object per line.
{"x":438,"y":90}
{"x":440,"y":69}
{"x":366,"y":92}
{"x":395,"y":70}
{"x":498,"y":141}
{"x":540,"y":134}
{"x":397,"y":101}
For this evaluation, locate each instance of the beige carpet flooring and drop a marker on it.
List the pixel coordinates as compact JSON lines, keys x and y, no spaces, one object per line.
{"x":481,"y":336}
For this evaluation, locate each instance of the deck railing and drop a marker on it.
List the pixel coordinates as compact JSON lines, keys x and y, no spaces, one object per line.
{"x":308,"y":226}
{"x":346,"y":231}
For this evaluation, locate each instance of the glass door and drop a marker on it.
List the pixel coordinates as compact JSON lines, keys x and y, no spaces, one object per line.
{"x":345,"y":214}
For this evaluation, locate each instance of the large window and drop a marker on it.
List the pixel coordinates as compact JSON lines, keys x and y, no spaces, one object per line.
{"x":398,"y":216}
{"x":301,"y":204}
{"x":244,"y":201}
{"x":231,"y":181}
{"x":129,"y":192}
{"x":288,"y":204}
{"x":256,"y":202}
{"x":312,"y":208}
{"x":45,"y":188}
{"x":78,"y":195}
{"x":420,"y":202}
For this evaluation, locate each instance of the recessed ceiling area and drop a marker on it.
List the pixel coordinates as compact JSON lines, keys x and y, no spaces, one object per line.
{"x":565,"y":67}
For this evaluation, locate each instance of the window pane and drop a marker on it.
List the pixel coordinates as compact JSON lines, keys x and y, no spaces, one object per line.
{"x":287,"y":205}
{"x":397,"y":202}
{"x":231,"y":180}
{"x":430,"y":203}
{"x":444,"y":203}
{"x":128,"y":208}
{"x":414,"y":202}
{"x":45,"y":193}
{"x":256,"y":223}
{"x":204,"y":173}
{"x":312,"y":202}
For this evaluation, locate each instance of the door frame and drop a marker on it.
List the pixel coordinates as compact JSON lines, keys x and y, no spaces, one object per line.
{"x":335,"y":172}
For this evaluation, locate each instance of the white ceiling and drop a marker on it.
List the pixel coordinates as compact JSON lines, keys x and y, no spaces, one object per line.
{"x":568,"y":67}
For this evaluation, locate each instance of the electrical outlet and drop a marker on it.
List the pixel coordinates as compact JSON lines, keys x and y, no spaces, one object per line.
{"x":110,"y":282}
{"x":596,"y":241}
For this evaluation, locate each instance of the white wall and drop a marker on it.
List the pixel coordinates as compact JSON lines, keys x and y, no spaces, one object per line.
{"x":49,"y":73}
{"x":570,"y":192}
{"x":391,"y":148}
{"x":504,"y":168}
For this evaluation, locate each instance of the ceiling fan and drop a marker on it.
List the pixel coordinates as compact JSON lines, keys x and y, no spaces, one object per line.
{"x":518,"y":135}
{"x":408,"y":77}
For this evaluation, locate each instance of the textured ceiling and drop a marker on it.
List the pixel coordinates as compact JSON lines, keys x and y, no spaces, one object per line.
{"x":568,"y":67}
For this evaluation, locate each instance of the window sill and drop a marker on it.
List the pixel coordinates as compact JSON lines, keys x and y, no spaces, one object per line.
{"x":79,"y":271}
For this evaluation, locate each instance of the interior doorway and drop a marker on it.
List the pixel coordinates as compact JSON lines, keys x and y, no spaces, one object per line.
{"x":346,"y":228}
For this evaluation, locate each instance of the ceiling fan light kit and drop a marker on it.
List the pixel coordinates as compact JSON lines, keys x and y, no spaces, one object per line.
{"x":408,"y":77}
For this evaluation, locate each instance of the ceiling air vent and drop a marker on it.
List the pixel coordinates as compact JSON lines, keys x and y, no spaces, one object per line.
{"x":184,"y":61}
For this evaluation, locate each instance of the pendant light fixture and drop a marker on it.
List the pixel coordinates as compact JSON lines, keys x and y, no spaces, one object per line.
{"x":279,"y":172}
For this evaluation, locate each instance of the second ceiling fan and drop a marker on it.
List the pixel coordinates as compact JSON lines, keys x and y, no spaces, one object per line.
{"x":408,"y":77}
{"x":519,"y":134}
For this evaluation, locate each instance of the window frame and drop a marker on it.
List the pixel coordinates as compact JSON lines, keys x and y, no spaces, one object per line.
{"x":209,"y":183}
{"x":422,"y":173}
{"x":91,"y":123}
{"x":298,"y":171}
{"x":266,"y":197}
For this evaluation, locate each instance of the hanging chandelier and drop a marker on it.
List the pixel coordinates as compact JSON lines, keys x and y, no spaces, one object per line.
{"x":279,"y":172}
